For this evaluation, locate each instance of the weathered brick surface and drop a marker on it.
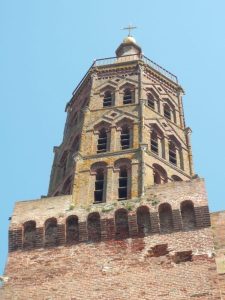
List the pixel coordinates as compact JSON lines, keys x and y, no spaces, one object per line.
{"x":125,"y":269}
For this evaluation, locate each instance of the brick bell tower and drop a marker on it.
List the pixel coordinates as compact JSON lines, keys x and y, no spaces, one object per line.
{"x":125,"y":216}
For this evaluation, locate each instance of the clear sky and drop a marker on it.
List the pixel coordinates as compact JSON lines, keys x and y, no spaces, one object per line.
{"x":48,"y":45}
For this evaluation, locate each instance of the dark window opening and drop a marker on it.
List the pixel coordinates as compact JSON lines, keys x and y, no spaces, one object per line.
{"x":99,"y":186}
{"x":76,"y":144}
{"x":125,"y":138}
{"x":102,"y":141}
{"x":157,"y":178}
{"x":154,"y":142}
{"x":72,"y":229}
{"x":188,"y":215}
{"x":127,"y":97}
{"x":123,"y":180}
{"x":151,"y":101}
{"x":107,"y":101}
{"x":167,"y":112}
{"x":51,"y":232}
{"x":143,"y":220}
{"x":121,"y":221}
{"x":94,"y":227}
{"x":29,"y":234}
{"x":172,"y":154}
{"x":166,"y":218}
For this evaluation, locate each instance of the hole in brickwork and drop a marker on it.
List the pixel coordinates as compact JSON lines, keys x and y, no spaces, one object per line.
{"x":51,"y":234}
{"x":182,"y":256}
{"x":188,"y":215}
{"x":72,"y":229}
{"x":94,"y":227}
{"x":121,"y":221}
{"x":29,"y":234}
{"x":143,"y":220}
{"x":165,"y":218}
{"x":158,"y":250}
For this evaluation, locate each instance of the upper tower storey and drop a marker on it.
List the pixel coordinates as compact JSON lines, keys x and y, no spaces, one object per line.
{"x":125,"y":131}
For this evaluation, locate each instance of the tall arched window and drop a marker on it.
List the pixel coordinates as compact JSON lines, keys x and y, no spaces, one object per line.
{"x":123,"y":183}
{"x":127,"y":96}
{"x":121,"y":222}
{"x":154,"y":142}
{"x":72,"y":229}
{"x":172,"y":153}
{"x":29,"y":234}
{"x":167,"y":111}
{"x":107,"y":100}
{"x":151,"y":101}
{"x":165,"y":218}
{"x":188,"y":215}
{"x":160,"y":175}
{"x":143,"y":220}
{"x":102,"y":141}
{"x":99,"y":185}
{"x":51,"y":232}
{"x":94,"y":227}
{"x":125,"y":137}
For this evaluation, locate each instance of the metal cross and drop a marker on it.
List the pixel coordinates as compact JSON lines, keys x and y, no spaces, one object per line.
{"x":129,"y":28}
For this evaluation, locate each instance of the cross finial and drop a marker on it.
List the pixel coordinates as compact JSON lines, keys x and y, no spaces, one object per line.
{"x":129,"y":28}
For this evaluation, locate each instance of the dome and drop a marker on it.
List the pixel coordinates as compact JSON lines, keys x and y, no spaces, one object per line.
{"x":129,"y":39}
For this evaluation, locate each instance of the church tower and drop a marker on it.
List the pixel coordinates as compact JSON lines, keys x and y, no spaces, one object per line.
{"x":125,"y":216}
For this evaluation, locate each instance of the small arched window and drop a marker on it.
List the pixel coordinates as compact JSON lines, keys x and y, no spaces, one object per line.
{"x":154,"y":142}
{"x":125,"y":137}
{"x":151,"y":101}
{"x":123,"y":183}
{"x":102,"y":141}
{"x":188,"y":215}
{"x":176,"y":178}
{"x":172,"y":153}
{"x":72,"y":229}
{"x":143,"y":220}
{"x":51,"y":232}
{"x":160,"y":175}
{"x":29,"y":234}
{"x":127,"y":96}
{"x":121,"y":222}
{"x":167,"y":111}
{"x":157,"y":177}
{"x":165,"y":218}
{"x":94,"y":227}
{"x":107,"y":100}
{"x":99,"y":185}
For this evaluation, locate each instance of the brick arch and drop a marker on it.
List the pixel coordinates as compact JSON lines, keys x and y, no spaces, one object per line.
{"x":121,"y":223}
{"x":160,"y":174}
{"x":176,"y":178}
{"x":72,"y":229}
{"x":165,"y":218}
{"x":188,"y":215}
{"x":29,"y":234}
{"x":94,"y":227}
{"x":51,"y":232}
{"x":143,"y":220}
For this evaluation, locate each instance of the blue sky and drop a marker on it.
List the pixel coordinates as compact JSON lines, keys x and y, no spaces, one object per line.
{"x":48,"y":45}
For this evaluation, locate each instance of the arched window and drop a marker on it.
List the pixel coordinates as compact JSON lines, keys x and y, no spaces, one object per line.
{"x":127,"y":96}
{"x":172,"y":153}
{"x":107,"y":100}
{"x":102,"y":141}
{"x":188,"y":215}
{"x":154,"y":142}
{"x":121,"y":222}
{"x":94,"y":227}
{"x":151,"y":101}
{"x":160,"y":175}
{"x":123,"y":183}
{"x":125,"y":137}
{"x":72,"y":229}
{"x":143,"y":220}
{"x":99,"y":185}
{"x":51,"y":232}
{"x":29,"y":234}
{"x":167,"y":111}
{"x":165,"y":218}
{"x":176,"y":178}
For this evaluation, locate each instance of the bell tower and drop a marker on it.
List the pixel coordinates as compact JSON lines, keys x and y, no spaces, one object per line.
{"x":125,"y":131}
